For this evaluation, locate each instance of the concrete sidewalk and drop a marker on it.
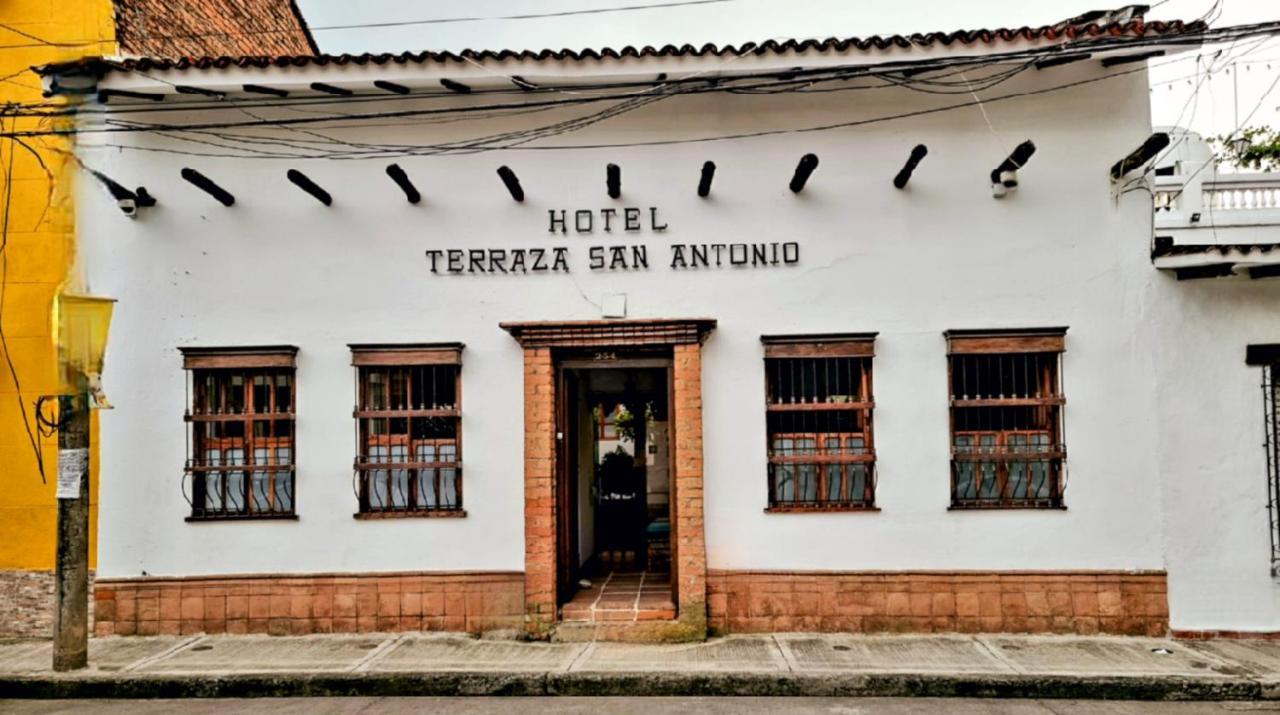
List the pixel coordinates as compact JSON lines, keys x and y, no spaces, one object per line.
{"x":782,"y":664}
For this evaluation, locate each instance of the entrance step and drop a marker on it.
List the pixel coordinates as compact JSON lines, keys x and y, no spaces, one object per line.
{"x":623,"y":596}
{"x":653,"y":631}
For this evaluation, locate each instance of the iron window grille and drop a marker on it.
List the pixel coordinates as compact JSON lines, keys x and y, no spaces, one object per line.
{"x":1007,"y":440}
{"x":1268,"y":358}
{"x":1271,"y":412}
{"x":240,"y":446}
{"x":408,"y":430}
{"x":818,"y":405}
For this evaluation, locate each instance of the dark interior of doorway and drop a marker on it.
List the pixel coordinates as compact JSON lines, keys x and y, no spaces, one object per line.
{"x":618,"y":461}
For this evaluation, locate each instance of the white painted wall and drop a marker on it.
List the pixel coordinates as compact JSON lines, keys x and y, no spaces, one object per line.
{"x":1212,"y":464}
{"x":280,"y":268}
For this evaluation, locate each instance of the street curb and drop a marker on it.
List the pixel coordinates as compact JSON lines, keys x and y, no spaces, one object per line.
{"x":631,"y":684}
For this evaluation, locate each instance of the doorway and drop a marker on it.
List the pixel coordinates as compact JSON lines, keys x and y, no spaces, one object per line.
{"x":550,"y":349}
{"x":614,"y":506}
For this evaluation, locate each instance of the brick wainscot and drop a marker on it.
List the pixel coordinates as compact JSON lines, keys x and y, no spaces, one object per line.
{"x":292,"y":605}
{"x":1083,"y":602}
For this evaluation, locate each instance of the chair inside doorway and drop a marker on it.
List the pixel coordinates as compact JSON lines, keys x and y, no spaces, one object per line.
{"x":620,"y":463}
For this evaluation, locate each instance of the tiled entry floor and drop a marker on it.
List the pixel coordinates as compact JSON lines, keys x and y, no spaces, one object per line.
{"x":623,"y":596}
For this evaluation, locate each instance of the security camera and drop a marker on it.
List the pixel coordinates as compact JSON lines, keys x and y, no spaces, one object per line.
{"x":998,"y":190}
{"x":1009,"y":178}
{"x":127,"y":201}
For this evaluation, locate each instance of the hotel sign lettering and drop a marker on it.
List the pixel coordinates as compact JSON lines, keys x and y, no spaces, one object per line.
{"x":615,"y":257}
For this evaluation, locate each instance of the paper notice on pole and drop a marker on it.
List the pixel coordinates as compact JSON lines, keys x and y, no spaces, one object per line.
{"x":71,"y":464}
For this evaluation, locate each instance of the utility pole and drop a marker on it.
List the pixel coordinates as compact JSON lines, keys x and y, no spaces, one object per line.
{"x":71,"y":577}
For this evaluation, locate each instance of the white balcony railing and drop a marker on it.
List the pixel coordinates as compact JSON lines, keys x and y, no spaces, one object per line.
{"x":1234,"y":195}
{"x":1213,"y":200}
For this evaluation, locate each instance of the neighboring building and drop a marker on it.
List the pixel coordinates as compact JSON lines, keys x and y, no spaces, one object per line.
{"x":38,"y":250}
{"x":1217,"y":245}
{"x":41,"y":249}
{"x":208,"y":28}
{"x":865,"y":391}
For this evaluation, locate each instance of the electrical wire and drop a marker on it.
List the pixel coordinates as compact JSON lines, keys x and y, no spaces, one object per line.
{"x":4,"y":283}
{"x":431,"y":150}
{"x":1093,"y":44}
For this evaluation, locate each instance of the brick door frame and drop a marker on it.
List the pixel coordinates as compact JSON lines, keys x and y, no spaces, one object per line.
{"x":543,"y":343}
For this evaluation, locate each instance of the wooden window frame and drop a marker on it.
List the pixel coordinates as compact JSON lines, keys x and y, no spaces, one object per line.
{"x":250,"y":363}
{"x":1000,"y":459}
{"x":778,"y":349}
{"x":372,"y":359}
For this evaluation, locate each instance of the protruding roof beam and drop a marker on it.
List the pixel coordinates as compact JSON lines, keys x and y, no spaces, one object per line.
{"x":1063,"y":60}
{"x":302,"y":182}
{"x":1113,"y":61}
{"x":259,"y":89}
{"x":330,"y":89}
{"x":804,"y":169}
{"x":904,"y":175}
{"x":452,"y":86}
{"x":186,"y":89}
{"x":613,"y":180}
{"x":106,"y":95}
{"x":1136,"y":158}
{"x":128,"y":201}
{"x":1005,"y":176}
{"x":704,"y":181}
{"x":511,"y":182}
{"x":402,"y":180}
{"x":207,"y":185}
{"x":391,"y":86}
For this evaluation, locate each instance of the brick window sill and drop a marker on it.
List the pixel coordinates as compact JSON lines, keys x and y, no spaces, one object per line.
{"x":822,"y":509}
{"x":440,"y":514}
{"x":247,"y":517}
{"x":1006,"y":507}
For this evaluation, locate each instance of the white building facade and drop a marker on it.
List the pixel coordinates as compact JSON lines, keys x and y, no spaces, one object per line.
{"x":875,"y":408}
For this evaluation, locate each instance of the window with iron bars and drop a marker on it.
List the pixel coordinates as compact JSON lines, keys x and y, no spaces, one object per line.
{"x":241,"y":456}
{"x":1007,"y":443}
{"x":408,"y":437}
{"x":818,"y":404}
{"x":1268,"y":358}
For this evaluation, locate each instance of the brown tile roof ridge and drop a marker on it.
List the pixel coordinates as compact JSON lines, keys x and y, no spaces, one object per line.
{"x":1132,"y":29}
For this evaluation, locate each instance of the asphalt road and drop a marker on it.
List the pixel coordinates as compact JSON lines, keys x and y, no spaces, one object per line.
{"x":625,"y":706}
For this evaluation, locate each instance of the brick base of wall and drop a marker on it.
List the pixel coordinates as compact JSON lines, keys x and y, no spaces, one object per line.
{"x":26,"y":604}
{"x":1082,"y":602}
{"x":293,"y":605}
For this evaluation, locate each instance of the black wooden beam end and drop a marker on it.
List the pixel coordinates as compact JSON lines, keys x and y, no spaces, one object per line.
{"x":1152,"y":146}
{"x":106,"y":95}
{"x":523,"y":83}
{"x":330,"y":89}
{"x":904,"y":175}
{"x":259,"y":89}
{"x":302,"y":182}
{"x":1113,"y":61}
{"x":402,"y":180}
{"x":704,"y":182}
{"x":206,"y":185}
{"x":391,"y":86}
{"x":1063,"y":60}
{"x":458,"y":87}
{"x":804,"y":169}
{"x":186,"y":89}
{"x":613,"y":180}
{"x":1003,"y":174}
{"x":511,"y":182}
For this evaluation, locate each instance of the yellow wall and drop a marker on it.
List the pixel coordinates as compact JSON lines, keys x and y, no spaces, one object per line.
{"x":39,"y":252}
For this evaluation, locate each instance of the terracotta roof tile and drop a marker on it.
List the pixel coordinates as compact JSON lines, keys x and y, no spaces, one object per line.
{"x":1132,"y":29}
{"x":211,"y":28}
